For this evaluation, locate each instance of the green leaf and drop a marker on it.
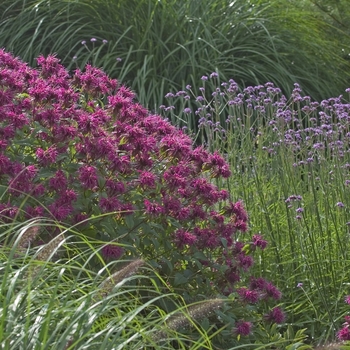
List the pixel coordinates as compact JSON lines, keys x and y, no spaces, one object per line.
{"x":180,"y":279}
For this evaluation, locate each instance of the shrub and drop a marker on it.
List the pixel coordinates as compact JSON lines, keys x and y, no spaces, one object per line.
{"x":78,"y":150}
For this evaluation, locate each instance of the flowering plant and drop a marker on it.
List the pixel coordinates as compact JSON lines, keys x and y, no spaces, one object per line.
{"x":78,"y":150}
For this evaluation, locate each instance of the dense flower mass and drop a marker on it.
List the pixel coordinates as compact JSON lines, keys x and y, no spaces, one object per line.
{"x":79,"y":150}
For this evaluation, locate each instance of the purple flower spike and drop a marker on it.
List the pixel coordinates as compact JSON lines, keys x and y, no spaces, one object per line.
{"x":93,"y":40}
{"x":83,"y":42}
{"x":105,"y":41}
{"x":340,"y":205}
{"x":204,"y":77}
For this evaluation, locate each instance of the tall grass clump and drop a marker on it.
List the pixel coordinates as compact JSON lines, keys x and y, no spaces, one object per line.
{"x":157,"y":46}
{"x":53,"y":297}
{"x":289,"y":158}
{"x":78,"y":151}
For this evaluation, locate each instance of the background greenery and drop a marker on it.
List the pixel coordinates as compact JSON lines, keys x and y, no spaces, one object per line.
{"x":168,"y":44}
{"x":165,"y":45}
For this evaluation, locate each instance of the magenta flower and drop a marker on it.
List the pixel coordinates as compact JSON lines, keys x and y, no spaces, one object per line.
{"x":248,"y":296}
{"x":183,"y":238}
{"x":272,"y":291}
{"x":344,"y":333}
{"x":243,"y":328}
{"x":88,"y":176}
{"x":259,"y":242}
{"x":238,"y":210}
{"x":112,"y":251}
{"x":147,"y":179}
{"x":59,"y":181}
{"x":153,"y":208}
{"x":276,"y":315}
{"x":109,"y":204}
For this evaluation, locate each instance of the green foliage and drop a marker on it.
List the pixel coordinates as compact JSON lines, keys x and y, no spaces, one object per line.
{"x":168,"y":44}
{"x":64,"y":302}
{"x":290,"y":164}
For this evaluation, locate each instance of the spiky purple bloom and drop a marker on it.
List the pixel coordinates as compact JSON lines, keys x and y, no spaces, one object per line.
{"x":344,"y":333}
{"x":259,"y":241}
{"x":183,"y":238}
{"x":88,"y":176}
{"x":112,"y":251}
{"x":248,"y":296}
{"x":243,"y":328}
{"x":273,"y":291}
{"x":276,"y":315}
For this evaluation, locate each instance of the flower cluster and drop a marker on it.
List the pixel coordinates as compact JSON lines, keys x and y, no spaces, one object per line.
{"x":344,"y":333}
{"x":78,"y":146}
{"x":311,"y":131}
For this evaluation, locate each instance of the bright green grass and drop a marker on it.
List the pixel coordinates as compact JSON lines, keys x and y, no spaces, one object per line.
{"x":52,"y":299}
{"x":168,"y":44}
{"x":61,"y":295}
